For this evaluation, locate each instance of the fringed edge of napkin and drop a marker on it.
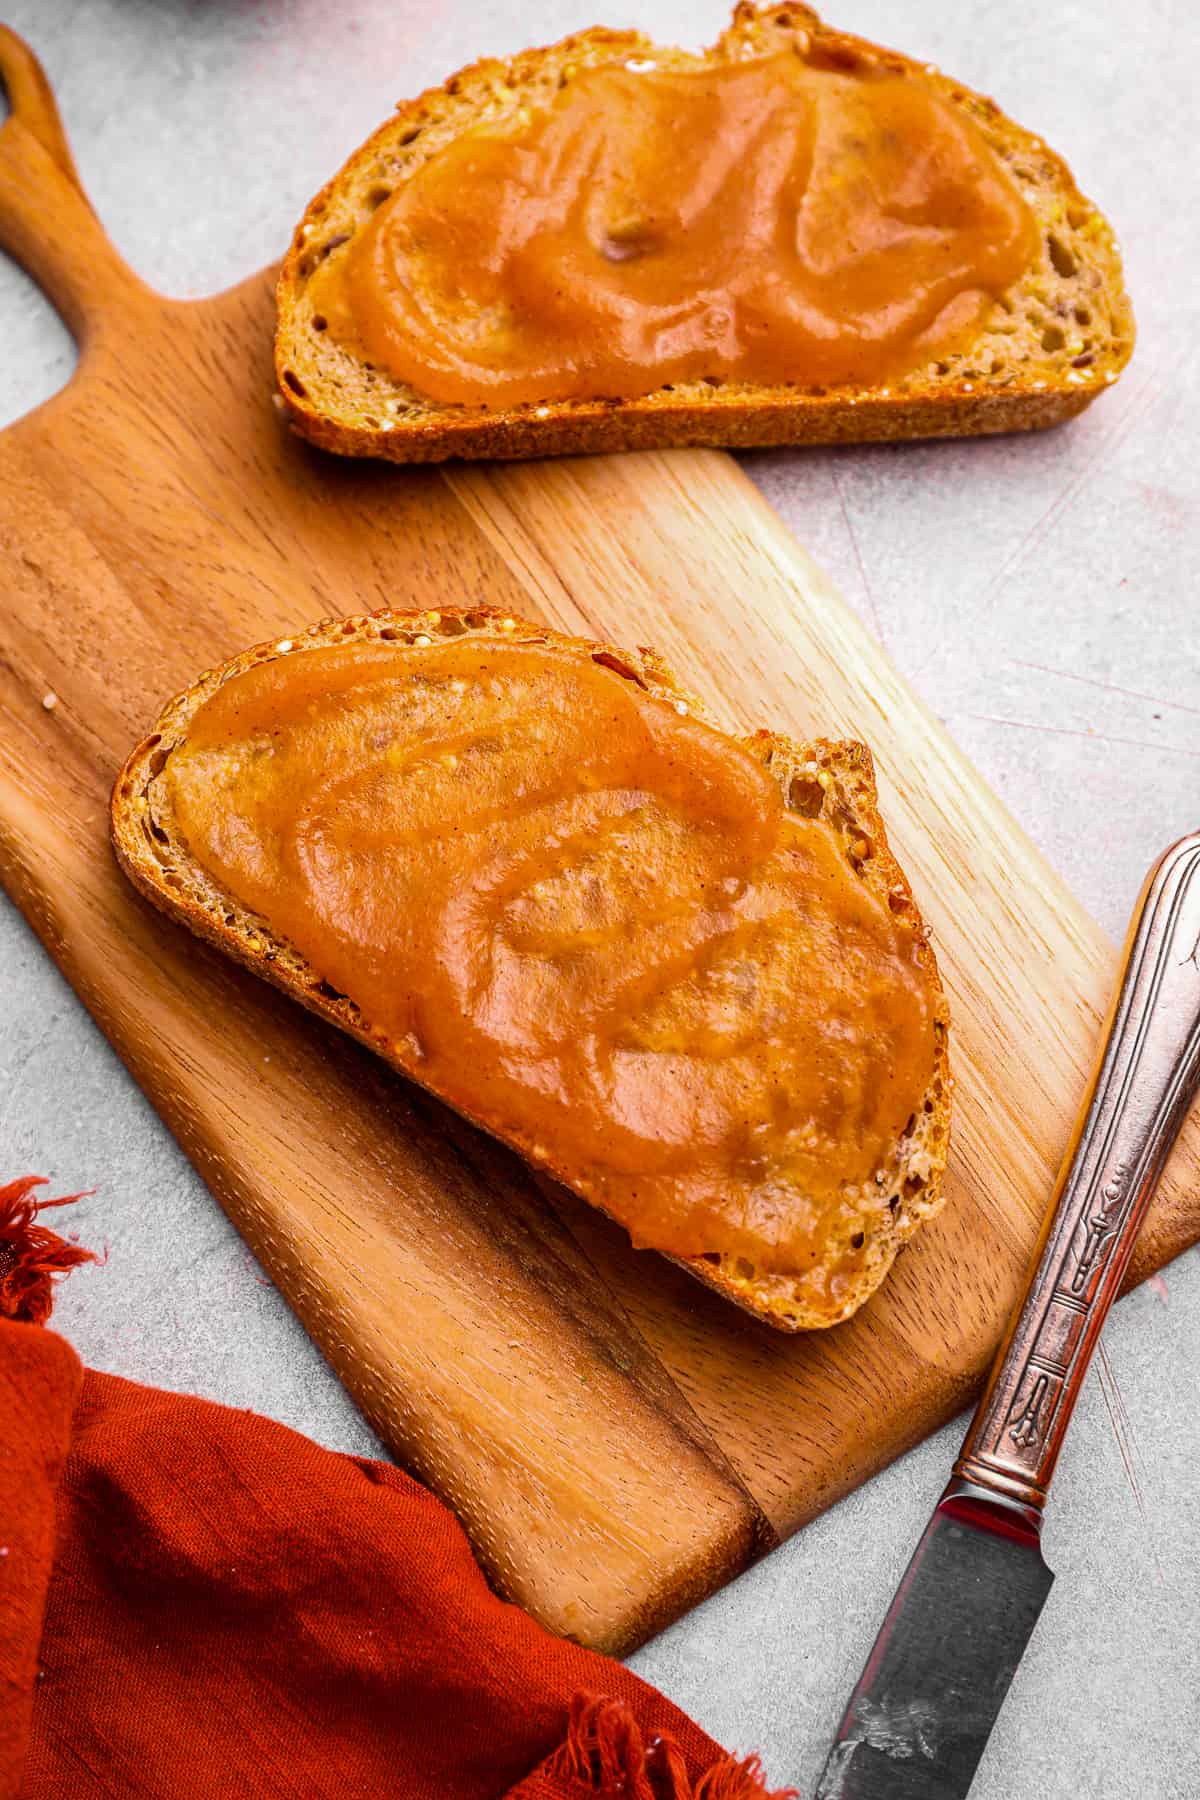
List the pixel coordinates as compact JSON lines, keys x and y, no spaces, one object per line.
{"x":32,"y":1257}
{"x":606,"y":1756}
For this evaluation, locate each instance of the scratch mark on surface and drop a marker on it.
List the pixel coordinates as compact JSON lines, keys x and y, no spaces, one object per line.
{"x":858,"y":557}
{"x":1097,"y":737}
{"x":1109,"y":687}
{"x":1122,"y":1425}
{"x":1142,"y":397}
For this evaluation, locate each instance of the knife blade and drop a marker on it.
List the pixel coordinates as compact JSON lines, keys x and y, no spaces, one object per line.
{"x":921,"y":1714}
{"x":924,"y":1708}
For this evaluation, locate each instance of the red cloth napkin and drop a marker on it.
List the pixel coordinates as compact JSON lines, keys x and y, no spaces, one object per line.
{"x":199,"y":1603}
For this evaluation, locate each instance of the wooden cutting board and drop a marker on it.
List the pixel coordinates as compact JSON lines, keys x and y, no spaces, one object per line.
{"x":616,"y":1439}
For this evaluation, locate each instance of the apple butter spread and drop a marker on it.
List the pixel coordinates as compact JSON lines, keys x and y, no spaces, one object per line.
{"x":765,"y":221}
{"x":581,"y":916}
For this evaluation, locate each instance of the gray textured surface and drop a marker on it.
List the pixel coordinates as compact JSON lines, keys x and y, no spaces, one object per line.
{"x":1041,"y":594}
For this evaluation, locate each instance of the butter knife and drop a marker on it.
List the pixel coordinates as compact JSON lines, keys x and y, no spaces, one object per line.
{"x":933,"y":1685}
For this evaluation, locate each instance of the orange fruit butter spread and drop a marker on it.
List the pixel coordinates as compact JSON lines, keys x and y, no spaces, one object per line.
{"x":584,"y":918}
{"x":766,"y":221}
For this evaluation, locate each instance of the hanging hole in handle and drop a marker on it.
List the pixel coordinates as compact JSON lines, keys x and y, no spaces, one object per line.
{"x":47,"y":223}
{"x":29,"y":98}
{"x":40,"y":354}
{"x":45,"y":302}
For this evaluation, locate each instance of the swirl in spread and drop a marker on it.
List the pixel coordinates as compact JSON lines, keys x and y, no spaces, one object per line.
{"x":765,"y":221}
{"x":584,"y":919}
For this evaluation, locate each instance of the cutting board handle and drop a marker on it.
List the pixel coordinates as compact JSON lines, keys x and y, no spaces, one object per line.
{"x":46,"y":220}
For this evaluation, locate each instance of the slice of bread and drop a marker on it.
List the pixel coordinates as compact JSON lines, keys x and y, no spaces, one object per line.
{"x":1048,"y":346}
{"x":834,"y":780}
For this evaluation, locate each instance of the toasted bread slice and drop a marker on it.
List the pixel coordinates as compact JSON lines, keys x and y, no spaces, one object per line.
{"x":834,"y":780}
{"x":1046,"y":348}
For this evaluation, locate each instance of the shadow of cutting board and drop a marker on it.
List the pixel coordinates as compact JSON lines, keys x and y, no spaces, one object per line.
{"x":616,"y":1440}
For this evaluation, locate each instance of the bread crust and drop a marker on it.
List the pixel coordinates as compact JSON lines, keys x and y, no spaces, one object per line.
{"x":1072,"y":336}
{"x":836,"y":776}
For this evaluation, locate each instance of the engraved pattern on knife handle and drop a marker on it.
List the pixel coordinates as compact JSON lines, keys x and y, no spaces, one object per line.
{"x":1145,"y":1080}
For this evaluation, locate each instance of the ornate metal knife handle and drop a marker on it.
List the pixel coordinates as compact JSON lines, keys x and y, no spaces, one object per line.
{"x":1146,"y":1077}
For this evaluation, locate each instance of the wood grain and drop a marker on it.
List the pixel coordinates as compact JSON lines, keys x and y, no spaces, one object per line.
{"x":616,"y":1440}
